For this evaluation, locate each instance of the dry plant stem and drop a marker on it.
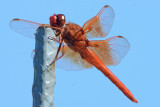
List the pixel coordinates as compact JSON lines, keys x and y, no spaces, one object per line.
{"x":44,"y":75}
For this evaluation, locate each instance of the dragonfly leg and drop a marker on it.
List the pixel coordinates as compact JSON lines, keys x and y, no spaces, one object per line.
{"x":52,"y":38}
{"x":63,"y":51}
{"x":58,"y":50}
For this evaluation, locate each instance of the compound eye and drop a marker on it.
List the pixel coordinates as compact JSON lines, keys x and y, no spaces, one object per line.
{"x":61,"y":20}
{"x":53,"y":20}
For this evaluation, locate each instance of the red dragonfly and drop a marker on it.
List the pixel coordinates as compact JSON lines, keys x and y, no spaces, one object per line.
{"x":81,"y":53}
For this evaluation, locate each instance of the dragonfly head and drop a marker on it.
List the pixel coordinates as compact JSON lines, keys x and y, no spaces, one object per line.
{"x":57,"y":20}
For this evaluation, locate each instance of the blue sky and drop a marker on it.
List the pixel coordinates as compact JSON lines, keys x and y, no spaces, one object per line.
{"x":136,"y":20}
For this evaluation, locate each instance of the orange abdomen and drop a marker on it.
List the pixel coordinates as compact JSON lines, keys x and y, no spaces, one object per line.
{"x":93,"y":59}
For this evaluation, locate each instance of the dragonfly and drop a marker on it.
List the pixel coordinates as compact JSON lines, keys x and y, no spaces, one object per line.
{"x":76,"y":51}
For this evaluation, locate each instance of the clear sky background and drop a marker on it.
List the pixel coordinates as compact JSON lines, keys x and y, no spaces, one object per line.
{"x":136,"y":20}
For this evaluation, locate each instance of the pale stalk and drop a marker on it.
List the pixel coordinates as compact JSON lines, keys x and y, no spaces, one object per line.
{"x":44,"y":76}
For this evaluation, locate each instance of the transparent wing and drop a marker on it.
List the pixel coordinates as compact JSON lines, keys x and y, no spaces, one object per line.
{"x":112,"y":50}
{"x":72,"y":61}
{"x":100,"y":25}
{"x":24,"y":27}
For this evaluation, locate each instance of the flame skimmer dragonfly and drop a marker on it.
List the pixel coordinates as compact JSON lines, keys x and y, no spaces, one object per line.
{"x":81,"y":53}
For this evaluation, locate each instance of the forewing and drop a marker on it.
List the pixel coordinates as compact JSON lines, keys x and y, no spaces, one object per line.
{"x":72,"y":61}
{"x":112,"y":50}
{"x":100,"y":25}
{"x":24,"y":27}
